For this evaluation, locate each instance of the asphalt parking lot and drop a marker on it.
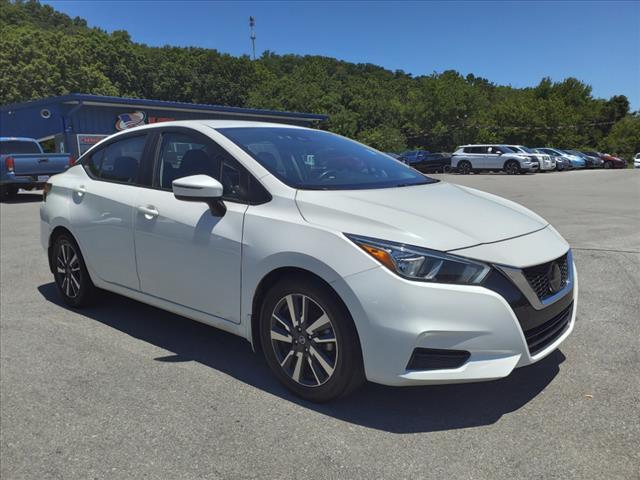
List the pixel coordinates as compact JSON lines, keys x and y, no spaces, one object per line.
{"x":123,"y":390}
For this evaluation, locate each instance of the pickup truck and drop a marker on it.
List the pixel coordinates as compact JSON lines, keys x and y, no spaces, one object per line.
{"x":23,"y":164}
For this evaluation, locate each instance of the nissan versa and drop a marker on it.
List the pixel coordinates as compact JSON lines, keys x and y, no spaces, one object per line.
{"x":336,"y":261}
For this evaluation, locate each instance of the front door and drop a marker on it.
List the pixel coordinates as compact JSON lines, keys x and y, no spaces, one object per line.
{"x":185,"y":254}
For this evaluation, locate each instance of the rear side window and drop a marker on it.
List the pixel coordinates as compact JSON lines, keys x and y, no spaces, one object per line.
{"x":118,"y":161}
{"x":475,"y":149}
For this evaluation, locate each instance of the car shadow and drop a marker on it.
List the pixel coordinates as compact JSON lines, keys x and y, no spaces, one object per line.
{"x":23,"y":197}
{"x":397,"y":410}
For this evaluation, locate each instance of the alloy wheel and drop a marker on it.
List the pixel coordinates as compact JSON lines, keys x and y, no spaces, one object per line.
{"x":464,"y":168}
{"x":512,"y":168}
{"x":68,"y":270}
{"x":304,"y":340}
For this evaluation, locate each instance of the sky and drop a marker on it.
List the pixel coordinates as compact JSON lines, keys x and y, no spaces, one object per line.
{"x":509,"y":43}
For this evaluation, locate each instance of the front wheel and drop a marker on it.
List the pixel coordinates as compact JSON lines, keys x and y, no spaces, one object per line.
{"x":70,"y":272}
{"x":512,"y":167}
{"x":309,"y":340}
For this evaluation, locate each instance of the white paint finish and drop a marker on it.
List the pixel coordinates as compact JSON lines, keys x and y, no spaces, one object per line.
{"x":101,"y":215}
{"x":188,"y":256}
{"x":197,"y":186}
{"x":521,"y":252}
{"x":208,"y":268}
{"x":439,"y":216}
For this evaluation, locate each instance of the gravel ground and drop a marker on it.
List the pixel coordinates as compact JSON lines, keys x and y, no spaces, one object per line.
{"x":126,"y":391}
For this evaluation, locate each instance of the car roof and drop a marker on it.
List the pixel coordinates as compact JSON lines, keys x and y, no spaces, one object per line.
{"x":215,"y":124}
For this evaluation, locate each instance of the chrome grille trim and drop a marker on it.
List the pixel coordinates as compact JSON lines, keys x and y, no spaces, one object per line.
{"x":518,"y":277}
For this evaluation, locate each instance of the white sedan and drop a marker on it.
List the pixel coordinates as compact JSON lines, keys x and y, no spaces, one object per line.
{"x":336,"y":261}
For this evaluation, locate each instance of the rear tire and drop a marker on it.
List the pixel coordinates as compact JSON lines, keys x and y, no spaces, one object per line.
{"x":315,"y":352}
{"x":464,"y":167}
{"x":512,"y":167}
{"x":70,"y":272}
{"x":608,"y":165}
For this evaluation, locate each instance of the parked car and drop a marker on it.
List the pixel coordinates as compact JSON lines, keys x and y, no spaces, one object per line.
{"x":562,"y":161}
{"x":546,"y":162}
{"x":577,"y":161}
{"x":335,"y":261}
{"x":588,"y":161}
{"x":574,"y":160}
{"x":427,"y":162}
{"x":594,"y":160}
{"x":636,"y":161}
{"x":609,"y":161}
{"x":474,"y":158}
{"x":23,"y":164}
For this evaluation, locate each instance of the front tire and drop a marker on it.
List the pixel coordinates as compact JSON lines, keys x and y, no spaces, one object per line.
{"x":309,"y":340}
{"x":512,"y":167}
{"x":70,"y":272}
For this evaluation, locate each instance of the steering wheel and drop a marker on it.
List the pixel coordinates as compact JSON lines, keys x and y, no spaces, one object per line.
{"x":327,"y":174}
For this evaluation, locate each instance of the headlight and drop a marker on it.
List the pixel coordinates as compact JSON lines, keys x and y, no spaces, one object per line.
{"x":415,"y":263}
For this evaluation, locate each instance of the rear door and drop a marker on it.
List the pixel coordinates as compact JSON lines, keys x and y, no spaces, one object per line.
{"x":477,"y":156}
{"x":184,"y":253}
{"x":103,"y":214}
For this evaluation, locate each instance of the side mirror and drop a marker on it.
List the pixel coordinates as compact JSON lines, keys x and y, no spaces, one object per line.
{"x":201,"y":188}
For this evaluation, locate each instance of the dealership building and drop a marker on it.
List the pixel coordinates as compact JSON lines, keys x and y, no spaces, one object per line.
{"x":77,"y":121}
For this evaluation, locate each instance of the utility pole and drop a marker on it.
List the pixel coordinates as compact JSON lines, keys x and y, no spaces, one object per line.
{"x":252,"y":23}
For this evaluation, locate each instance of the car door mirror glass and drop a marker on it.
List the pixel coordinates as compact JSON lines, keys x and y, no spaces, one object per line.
{"x":200,"y":188}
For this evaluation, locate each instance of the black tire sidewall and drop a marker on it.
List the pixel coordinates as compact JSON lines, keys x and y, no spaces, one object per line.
{"x":87,"y":289}
{"x":349,"y":371}
{"x":508,"y":170}
{"x":466,"y":167}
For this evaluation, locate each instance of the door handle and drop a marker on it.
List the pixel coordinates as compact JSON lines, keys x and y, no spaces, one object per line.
{"x":81,"y":190}
{"x":43,"y":160}
{"x":149,"y":212}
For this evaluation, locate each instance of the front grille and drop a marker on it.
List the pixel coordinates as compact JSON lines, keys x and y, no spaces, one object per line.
{"x":539,"y":277}
{"x":543,"y":335}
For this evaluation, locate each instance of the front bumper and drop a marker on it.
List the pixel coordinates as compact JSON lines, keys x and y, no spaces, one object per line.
{"x":396,"y":316}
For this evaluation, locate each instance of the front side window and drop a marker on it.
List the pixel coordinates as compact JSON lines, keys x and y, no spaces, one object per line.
{"x":318,"y":160}
{"x":118,"y":161}
{"x":182,"y":155}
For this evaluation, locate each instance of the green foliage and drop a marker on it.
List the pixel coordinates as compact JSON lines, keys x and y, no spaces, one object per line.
{"x":44,"y":52}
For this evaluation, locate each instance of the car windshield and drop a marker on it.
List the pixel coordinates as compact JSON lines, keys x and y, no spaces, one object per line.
{"x":528,"y":150}
{"x":18,"y":146}
{"x":319,"y":160}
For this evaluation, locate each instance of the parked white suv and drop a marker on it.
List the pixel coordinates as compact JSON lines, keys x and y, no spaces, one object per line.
{"x":474,"y":158}
{"x":636,"y":161}
{"x":337,"y":261}
{"x":545,"y":162}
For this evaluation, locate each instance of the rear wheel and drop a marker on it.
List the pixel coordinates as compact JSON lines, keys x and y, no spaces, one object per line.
{"x":464,"y":167}
{"x":608,"y":164}
{"x":70,"y":272}
{"x":309,"y":340}
{"x":512,"y":167}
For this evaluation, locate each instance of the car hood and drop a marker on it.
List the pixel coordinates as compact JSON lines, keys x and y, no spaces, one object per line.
{"x":440,"y":216}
